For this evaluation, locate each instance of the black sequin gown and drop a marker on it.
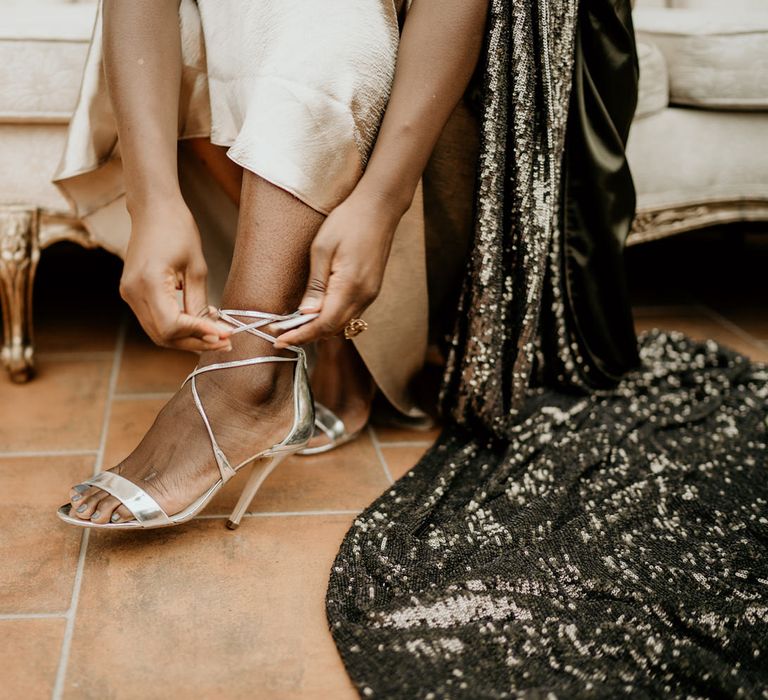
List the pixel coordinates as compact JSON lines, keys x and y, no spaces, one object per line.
{"x":593,"y":521}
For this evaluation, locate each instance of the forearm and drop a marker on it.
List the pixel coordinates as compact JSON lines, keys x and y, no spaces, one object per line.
{"x":142,"y":61}
{"x":439,"y":48}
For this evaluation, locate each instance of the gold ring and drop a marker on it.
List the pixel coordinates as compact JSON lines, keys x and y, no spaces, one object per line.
{"x":355,"y":327}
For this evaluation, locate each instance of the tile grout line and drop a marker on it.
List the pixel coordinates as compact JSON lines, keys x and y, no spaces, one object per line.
{"x":49,"y":453}
{"x":407,"y":443}
{"x":280,"y":514}
{"x":731,"y":326}
{"x":144,"y":396}
{"x":33,"y":616}
{"x":61,"y":672}
{"x":379,"y":454}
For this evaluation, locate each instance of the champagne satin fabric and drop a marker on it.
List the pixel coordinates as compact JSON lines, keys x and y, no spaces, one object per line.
{"x":296,"y":91}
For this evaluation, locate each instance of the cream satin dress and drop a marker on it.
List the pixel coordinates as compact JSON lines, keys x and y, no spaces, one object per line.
{"x":295,"y":89}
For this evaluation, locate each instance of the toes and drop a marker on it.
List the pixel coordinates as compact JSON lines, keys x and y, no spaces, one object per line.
{"x":109,"y":510}
{"x":103,"y":511}
{"x":121,"y":515}
{"x":85,"y":507}
{"x":91,"y":503}
{"x":83,"y":500}
{"x":80,"y":493}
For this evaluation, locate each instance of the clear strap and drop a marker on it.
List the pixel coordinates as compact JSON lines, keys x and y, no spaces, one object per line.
{"x":329,"y":423}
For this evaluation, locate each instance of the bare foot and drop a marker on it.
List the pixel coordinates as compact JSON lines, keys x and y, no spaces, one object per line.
{"x":249,"y":408}
{"x":341,"y":382}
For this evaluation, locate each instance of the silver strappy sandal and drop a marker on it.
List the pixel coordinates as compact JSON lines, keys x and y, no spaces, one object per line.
{"x":146,"y":511}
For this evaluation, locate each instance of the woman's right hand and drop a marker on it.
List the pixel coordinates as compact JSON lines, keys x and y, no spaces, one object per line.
{"x":165,"y":255}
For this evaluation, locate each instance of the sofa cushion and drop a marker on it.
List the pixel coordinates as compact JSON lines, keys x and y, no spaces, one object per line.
{"x":654,"y":82}
{"x":684,"y":156}
{"x":715,"y":60}
{"x":730,"y":5}
{"x":42,"y":54}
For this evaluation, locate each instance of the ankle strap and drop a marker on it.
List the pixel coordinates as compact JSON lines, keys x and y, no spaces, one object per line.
{"x":263,"y":319}
{"x":254,"y":328}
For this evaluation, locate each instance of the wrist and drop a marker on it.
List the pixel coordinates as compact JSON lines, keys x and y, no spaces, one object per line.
{"x":389,"y":201}
{"x":140,"y":204}
{"x":155,"y":217}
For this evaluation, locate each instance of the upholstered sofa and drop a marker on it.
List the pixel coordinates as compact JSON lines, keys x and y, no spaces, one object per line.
{"x":699,"y":145}
{"x":697,"y":150}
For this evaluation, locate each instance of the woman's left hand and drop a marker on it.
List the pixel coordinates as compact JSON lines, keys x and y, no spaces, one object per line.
{"x":347,"y":262}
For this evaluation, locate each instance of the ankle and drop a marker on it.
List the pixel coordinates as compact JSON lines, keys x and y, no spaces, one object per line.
{"x":259,"y":384}
{"x":270,"y":384}
{"x":252,"y":390}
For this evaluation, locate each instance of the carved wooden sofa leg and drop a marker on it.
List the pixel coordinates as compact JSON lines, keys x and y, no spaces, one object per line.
{"x":19,"y":254}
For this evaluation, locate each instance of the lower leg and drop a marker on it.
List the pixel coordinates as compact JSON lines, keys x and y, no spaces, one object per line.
{"x":341,"y":381}
{"x":249,"y":408}
{"x":271,"y":258}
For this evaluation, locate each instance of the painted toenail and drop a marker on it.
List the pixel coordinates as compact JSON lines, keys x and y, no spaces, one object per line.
{"x":96,"y":515}
{"x":82,"y":508}
{"x":115,"y":517}
{"x":81,"y":488}
{"x":76,"y":497}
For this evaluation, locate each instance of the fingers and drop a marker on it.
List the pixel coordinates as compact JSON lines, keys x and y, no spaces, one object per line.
{"x":197,"y":345}
{"x":184,"y":326}
{"x":320,"y":258}
{"x":171,"y":323}
{"x":339,"y":306}
{"x":179,"y":330}
{"x":195,"y":288}
{"x":155,"y":305}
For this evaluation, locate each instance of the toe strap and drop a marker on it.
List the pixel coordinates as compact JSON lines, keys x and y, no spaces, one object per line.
{"x":143,"y":507}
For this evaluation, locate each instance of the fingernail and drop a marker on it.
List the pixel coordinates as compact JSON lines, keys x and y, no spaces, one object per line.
{"x":96,"y":515}
{"x":76,"y":497}
{"x":115,"y":517}
{"x":82,"y":508}
{"x":81,"y":488}
{"x":306,"y":306}
{"x":211,"y":338}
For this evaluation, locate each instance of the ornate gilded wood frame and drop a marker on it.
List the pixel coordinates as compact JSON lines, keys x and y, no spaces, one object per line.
{"x":24,"y":232}
{"x":652,"y":224}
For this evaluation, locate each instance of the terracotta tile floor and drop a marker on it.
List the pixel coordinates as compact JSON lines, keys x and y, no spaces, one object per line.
{"x":199,"y":611}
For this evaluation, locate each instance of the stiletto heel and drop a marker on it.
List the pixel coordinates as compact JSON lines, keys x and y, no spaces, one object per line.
{"x":255,"y":480}
{"x":146,"y":511}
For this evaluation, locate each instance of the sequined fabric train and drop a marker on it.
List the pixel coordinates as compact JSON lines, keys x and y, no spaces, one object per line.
{"x":614,"y":546}
{"x":593,"y":521}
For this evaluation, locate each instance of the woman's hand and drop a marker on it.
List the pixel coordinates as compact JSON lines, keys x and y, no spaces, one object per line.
{"x":347,"y":262}
{"x":165,"y":255}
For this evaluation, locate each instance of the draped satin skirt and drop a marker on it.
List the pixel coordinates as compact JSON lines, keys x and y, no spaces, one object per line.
{"x":296,"y":92}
